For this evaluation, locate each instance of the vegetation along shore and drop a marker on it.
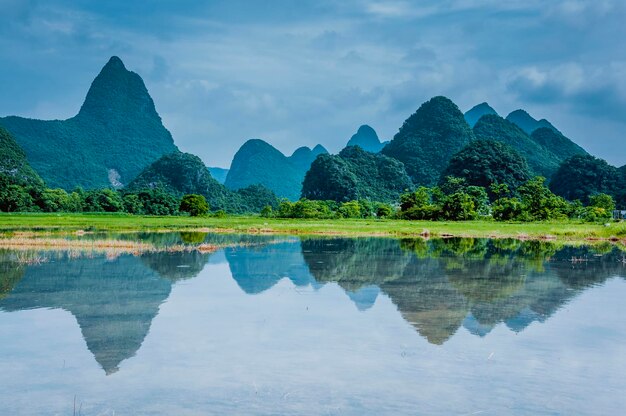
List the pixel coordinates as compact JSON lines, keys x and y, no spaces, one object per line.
{"x":64,"y":224}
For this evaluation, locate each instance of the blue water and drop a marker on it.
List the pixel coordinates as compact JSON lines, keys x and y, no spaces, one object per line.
{"x":317,"y":327}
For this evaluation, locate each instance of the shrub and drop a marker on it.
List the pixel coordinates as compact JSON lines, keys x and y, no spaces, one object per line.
{"x":194,"y":204}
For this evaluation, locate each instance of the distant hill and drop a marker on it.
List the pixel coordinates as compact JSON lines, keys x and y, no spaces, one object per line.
{"x":303,"y":156}
{"x":183,"y":173}
{"x":475,"y":113}
{"x":13,"y":163}
{"x":527,"y":123}
{"x":115,"y":135}
{"x":356,"y":174}
{"x":540,"y":159}
{"x":218,"y":173}
{"x":555,"y":142}
{"x":258,"y":162}
{"x":428,"y":139}
{"x":367,"y":139}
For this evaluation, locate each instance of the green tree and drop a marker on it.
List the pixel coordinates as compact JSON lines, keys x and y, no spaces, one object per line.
{"x":419,"y":205}
{"x":193,"y":204}
{"x":55,"y":200}
{"x":132,"y":204}
{"x":14,"y":198}
{"x":350,"y":209}
{"x":539,"y":203}
{"x":459,"y":207}
{"x":267,"y":211}
{"x":102,"y":200}
{"x":384,"y":211}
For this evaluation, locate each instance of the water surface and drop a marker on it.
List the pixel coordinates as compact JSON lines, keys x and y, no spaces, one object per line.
{"x":315,"y":326}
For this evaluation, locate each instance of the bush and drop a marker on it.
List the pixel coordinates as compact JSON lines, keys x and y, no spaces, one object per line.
{"x":194,"y":204}
{"x":267,"y":211}
{"x":384,"y":211}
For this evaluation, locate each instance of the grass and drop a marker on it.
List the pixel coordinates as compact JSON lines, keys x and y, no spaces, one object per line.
{"x":67,"y":223}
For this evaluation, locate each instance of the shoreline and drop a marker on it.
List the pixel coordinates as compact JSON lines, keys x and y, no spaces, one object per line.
{"x":78,"y":224}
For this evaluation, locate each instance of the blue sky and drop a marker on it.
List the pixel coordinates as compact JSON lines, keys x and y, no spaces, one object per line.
{"x":306,"y":72}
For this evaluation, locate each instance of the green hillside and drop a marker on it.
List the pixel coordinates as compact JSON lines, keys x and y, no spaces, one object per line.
{"x":356,"y":174}
{"x":555,"y":142}
{"x":428,"y":139}
{"x":581,"y":176}
{"x":183,"y":173}
{"x":13,"y":163}
{"x":115,"y":135}
{"x":541,"y":160}
{"x":485,"y":162}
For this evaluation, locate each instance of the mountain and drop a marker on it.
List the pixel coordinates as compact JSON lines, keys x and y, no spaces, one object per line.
{"x":183,"y":173}
{"x":527,"y":123}
{"x":13,"y":163}
{"x":258,"y":162}
{"x":356,"y":174}
{"x":218,"y":173}
{"x":428,"y":139}
{"x":115,"y":135}
{"x":475,"y":113}
{"x":540,"y":159}
{"x":367,"y":139}
{"x":555,"y":142}
{"x":485,"y":162}
{"x":303,"y":156}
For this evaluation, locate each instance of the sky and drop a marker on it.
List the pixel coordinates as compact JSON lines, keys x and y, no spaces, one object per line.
{"x":299,"y":73}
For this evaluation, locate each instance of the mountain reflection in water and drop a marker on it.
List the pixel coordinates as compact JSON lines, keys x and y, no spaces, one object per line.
{"x":437,"y":285}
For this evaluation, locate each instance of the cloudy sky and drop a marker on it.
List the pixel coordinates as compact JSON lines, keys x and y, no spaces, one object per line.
{"x":305,"y":72}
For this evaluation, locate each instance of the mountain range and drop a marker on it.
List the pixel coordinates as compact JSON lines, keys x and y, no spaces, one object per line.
{"x":117,"y":139}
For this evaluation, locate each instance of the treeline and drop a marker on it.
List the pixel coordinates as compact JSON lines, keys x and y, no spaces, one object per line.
{"x":455,"y":200}
{"x":20,"y":198}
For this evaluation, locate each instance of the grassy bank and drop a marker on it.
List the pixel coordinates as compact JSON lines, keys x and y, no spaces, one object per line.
{"x":61,"y":223}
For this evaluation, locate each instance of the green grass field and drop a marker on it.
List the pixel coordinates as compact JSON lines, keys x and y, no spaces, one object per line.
{"x":62,"y":223}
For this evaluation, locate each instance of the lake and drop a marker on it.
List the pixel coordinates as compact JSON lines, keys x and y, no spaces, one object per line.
{"x":315,"y":326}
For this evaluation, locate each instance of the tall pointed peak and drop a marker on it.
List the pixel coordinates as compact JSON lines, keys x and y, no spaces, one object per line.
{"x":119,"y":93}
{"x":115,"y":63}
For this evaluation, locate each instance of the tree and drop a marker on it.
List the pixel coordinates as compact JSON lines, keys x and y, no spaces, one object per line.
{"x":539,"y":203}
{"x":350,"y":209}
{"x":193,"y":204}
{"x":102,"y":200}
{"x":419,"y":205}
{"x":459,"y":207}
{"x":267,"y":211}
{"x":14,"y":197}
{"x":132,"y":204}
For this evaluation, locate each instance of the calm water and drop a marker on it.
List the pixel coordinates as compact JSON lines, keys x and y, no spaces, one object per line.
{"x":316,"y":326}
